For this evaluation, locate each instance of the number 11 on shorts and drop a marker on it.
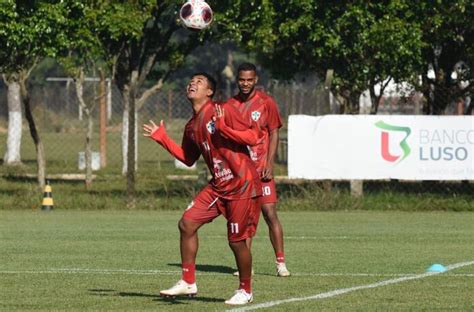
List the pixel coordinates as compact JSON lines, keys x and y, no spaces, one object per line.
{"x":234,"y":228}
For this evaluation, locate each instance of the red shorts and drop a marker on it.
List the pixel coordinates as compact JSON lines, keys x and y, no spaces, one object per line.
{"x":242,"y":214}
{"x":269,"y":194}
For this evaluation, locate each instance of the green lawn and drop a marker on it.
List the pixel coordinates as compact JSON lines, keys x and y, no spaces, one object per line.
{"x":119,"y":260}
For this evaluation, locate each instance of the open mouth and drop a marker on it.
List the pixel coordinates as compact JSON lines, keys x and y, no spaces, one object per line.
{"x":192,"y":89}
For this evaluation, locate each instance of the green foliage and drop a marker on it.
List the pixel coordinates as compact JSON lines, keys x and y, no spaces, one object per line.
{"x":30,"y":31}
{"x":365,"y":42}
{"x":448,"y":27}
{"x":246,"y":22}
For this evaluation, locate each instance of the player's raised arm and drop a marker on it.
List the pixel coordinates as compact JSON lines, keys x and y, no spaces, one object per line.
{"x":235,"y":128}
{"x":185,"y":153}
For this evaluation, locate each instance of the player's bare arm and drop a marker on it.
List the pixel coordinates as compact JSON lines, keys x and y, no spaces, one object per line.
{"x":267,"y":173}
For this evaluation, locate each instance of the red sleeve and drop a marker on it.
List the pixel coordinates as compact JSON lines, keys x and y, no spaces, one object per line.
{"x":187,"y":153}
{"x":273,"y":116}
{"x":235,"y":128}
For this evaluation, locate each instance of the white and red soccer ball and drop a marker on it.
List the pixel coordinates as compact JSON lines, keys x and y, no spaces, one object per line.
{"x":196,"y":14}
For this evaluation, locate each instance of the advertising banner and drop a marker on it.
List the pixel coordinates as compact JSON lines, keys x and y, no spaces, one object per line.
{"x":381,"y":147}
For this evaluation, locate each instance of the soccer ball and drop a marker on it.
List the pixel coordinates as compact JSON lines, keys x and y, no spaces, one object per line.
{"x":196,"y":14}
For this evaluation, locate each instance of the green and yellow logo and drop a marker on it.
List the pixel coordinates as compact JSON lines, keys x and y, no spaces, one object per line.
{"x":385,"y":140}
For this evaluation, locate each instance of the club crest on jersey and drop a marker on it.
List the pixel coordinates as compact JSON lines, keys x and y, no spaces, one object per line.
{"x":211,"y":127}
{"x":255,"y":115}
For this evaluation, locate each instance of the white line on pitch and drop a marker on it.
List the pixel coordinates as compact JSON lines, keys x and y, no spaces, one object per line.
{"x":342,"y":291}
{"x":92,"y":271}
{"x":292,"y":237}
{"x":163,"y":272}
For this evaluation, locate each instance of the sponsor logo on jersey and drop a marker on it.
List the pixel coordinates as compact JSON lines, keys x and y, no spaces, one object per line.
{"x":255,"y":115}
{"x":221,"y":173}
{"x":211,"y":127}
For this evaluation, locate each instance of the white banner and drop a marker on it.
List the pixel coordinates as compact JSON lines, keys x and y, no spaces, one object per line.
{"x":381,"y":147}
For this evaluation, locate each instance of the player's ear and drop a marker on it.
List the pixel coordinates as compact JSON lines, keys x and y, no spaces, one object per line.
{"x":256,"y":78}
{"x":209,"y":92}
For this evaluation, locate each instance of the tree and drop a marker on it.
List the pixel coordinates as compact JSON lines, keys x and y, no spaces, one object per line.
{"x":81,"y":54}
{"x":448,"y":34}
{"x":29,"y":31}
{"x":363,"y":42}
{"x":142,"y":41}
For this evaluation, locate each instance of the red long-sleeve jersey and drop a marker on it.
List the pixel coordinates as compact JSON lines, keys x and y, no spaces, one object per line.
{"x":262,"y":111}
{"x":234,"y":175}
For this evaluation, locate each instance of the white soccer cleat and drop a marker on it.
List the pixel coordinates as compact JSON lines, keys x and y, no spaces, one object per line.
{"x":240,"y":297}
{"x":236,"y":273}
{"x":181,"y":288}
{"x":282,"y":271}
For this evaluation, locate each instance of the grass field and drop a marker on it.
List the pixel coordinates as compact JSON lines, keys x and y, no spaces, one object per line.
{"x":119,"y":260}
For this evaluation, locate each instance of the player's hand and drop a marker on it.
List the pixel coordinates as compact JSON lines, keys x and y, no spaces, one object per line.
{"x":151,"y":127}
{"x":219,"y":117}
{"x":219,"y":111}
{"x":267,"y":173}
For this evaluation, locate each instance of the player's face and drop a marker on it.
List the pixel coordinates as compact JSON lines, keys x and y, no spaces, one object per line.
{"x":198,"y":88}
{"x":247,"y":79}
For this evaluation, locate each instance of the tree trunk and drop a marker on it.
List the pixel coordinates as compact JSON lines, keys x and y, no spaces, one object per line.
{"x":132,"y":146}
{"x":125,"y":131}
{"x":125,"y":121}
{"x":376,"y":99}
{"x":40,"y":155}
{"x":12,"y":153}
{"x":90,"y":127}
{"x":102,"y":120}
{"x":79,"y":83}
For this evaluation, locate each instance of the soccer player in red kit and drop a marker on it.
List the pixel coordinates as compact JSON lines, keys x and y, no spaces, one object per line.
{"x":262,"y":111}
{"x":221,"y":136}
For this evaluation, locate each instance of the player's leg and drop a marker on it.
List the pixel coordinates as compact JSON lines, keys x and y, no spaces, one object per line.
{"x":243,"y":259}
{"x":275,"y":229}
{"x":248,"y":242}
{"x":242,"y":224}
{"x":188,"y":247}
{"x":199,"y":212}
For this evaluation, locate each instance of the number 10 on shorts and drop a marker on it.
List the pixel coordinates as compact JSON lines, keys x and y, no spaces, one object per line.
{"x":234,"y":228}
{"x":266,"y":190}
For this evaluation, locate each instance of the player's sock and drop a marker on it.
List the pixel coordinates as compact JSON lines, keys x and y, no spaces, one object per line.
{"x":280,"y":257}
{"x":188,"y":273}
{"x":246,"y":284}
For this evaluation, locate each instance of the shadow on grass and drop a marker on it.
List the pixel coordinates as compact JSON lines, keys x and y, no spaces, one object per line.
{"x":155,"y":297}
{"x":101,"y":292}
{"x":112,"y":292}
{"x":209,"y":268}
{"x":186,"y":300}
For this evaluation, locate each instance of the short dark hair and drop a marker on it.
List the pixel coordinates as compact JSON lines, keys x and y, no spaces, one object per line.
{"x":246,"y":67}
{"x":211,"y":81}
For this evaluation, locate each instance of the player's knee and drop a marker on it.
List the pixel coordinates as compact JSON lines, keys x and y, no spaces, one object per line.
{"x":270,"y":214}
{"x":183,"y":226}
{"x":187,"y":227}
{"x":237,"y":245}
